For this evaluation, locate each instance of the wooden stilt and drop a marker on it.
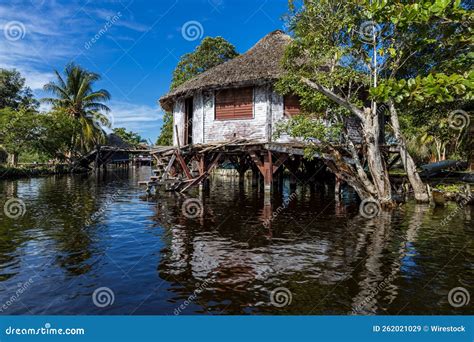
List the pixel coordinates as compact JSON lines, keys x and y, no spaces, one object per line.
{"x":267,"y":176}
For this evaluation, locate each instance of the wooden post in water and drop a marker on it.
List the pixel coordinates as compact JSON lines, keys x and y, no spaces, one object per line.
{"x":267,"y":176}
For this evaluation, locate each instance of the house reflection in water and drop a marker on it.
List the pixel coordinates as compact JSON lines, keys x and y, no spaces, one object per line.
{"x":232,"y":250}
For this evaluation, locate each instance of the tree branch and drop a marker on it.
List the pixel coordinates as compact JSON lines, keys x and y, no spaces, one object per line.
{"x":334,"y":97}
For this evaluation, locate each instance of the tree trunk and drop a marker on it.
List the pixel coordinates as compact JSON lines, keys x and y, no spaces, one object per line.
{"x":371,"y":129}
{"x":378,"y":168}
{"x":13,"y":159}
{"x":419,"y":188}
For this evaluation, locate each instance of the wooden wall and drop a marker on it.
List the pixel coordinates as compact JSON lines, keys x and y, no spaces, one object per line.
{"x":222,"y":130}
{"x":178,"y":120}
{"x":268,"y":112}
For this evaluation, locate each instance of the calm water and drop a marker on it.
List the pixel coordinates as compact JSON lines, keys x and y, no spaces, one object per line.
{"x":81,"y":233}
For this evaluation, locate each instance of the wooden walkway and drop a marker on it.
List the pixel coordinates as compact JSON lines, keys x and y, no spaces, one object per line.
{"x":103,"y":155}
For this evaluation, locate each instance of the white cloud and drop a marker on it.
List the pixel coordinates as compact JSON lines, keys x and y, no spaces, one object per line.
{"x":36,"y":79}
{"x":55,"y":33}
{"x":144,"y":119}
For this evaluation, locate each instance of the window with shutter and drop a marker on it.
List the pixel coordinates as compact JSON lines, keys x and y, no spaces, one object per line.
{"x":232,"y":104}
{"x":292,"y":105}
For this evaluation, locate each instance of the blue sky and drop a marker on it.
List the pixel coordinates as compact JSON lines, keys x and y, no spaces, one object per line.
{"x":133,"y":44}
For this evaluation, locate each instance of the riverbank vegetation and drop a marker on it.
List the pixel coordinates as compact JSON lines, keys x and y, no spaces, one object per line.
{"x":73,"y":125}
{"x":401,"y":71}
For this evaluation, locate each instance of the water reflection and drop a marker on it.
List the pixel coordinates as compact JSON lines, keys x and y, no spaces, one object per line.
{"x":83,"y":232}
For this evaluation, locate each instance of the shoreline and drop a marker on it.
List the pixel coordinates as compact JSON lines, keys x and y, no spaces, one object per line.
{"x":12,"y":173}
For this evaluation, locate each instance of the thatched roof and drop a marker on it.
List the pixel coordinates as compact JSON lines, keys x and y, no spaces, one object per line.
{"x":113,"y":140}
{"x":261,"y":64}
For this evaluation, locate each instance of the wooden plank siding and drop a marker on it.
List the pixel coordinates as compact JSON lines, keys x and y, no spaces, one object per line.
{"x":232,"y":104}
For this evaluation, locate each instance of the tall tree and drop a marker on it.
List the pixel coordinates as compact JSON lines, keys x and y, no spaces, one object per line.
{"x":210,"y":53}
{"x":365,"y":60}
{"x":13,"y":92}
{"x":75,"y":95}
{"x":130,"y":137}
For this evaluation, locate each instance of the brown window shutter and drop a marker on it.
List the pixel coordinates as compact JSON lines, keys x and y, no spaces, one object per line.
{"x":292,"y":105}
{"x":234,"y":104}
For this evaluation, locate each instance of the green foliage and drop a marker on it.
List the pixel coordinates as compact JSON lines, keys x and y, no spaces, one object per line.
{"x":19,"y":129}
{"x":438,"y":87}
{"x":13,"y":92}
{"x":29,"y":133}
{"x":71,"y":128}
{"x":74,"y":95}
{"x":131,"y":138}
{"x":210,"y":53}
{"x":166,"y":134}
{"x":453,"y":188}
{"x":417,"y":54}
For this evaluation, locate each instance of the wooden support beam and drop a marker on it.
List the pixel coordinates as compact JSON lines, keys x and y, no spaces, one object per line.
{"x":202,"y":177}
{"x":177,"y":136}
{"x":268,"y":170}
{"x":168,"y":167}
{"x":201,"y":164}
{"x":258,"y":162}
{"x":183,"y":165}
{"x":214,"y":163}
{"x":279,"y":162}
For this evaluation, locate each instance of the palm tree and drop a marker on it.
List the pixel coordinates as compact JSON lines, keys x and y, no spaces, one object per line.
{"x":75,"y":95}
